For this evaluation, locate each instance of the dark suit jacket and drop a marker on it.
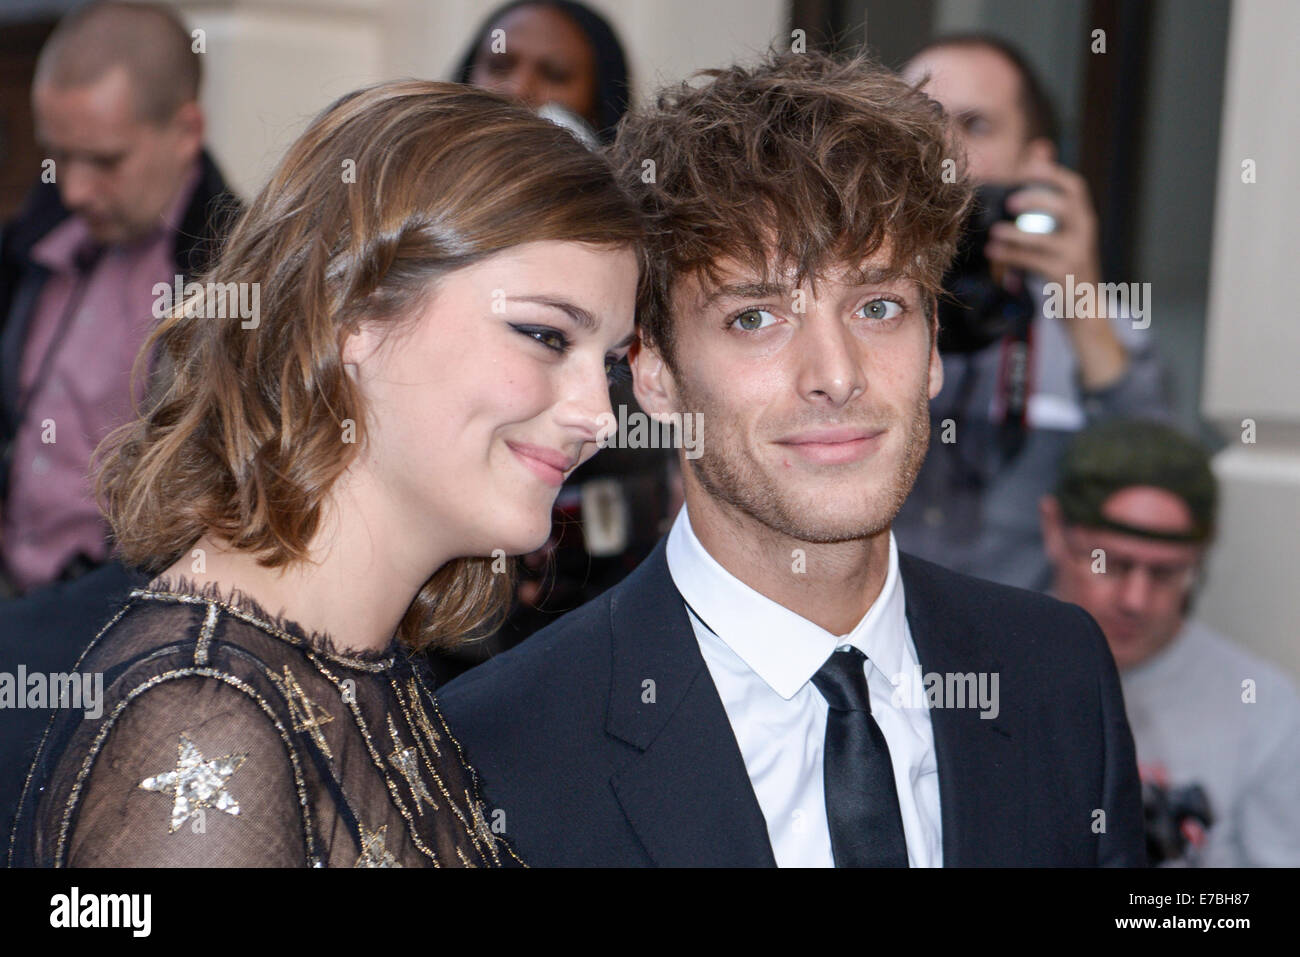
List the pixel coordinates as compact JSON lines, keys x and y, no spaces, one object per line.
{"x":588,"y":773}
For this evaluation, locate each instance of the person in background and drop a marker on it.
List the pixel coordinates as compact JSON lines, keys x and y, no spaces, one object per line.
{"x":552,"y":51}
{"x":1021,"y":381}
{"x":1217,"y":728}
{"x":132,"y":200}
{"x":548,"y":54}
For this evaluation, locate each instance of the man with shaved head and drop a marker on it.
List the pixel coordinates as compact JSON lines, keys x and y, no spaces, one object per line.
{"x":128,"y":199}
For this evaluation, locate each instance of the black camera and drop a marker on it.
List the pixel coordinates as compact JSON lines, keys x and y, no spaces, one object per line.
{"x":1169,"y":814}
{"x":976,"y":308}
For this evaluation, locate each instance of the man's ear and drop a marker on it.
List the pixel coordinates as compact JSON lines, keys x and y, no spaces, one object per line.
{"x":1040,"y":148}
{"x":652,"y":380}
{"x":188,"y":124}
{"x":1049,"y":515}
{"x":936,"y":363}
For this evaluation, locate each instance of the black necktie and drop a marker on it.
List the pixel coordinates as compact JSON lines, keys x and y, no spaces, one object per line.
{"x":861,"y":802}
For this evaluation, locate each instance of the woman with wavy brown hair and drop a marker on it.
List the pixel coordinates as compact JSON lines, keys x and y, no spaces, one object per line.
{"x":368,"y":403}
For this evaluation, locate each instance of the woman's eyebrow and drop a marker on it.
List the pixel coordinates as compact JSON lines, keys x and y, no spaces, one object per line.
{"x":579,"y":315}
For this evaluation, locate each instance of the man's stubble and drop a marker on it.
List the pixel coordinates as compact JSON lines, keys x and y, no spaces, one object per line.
{"x":720,"y":470}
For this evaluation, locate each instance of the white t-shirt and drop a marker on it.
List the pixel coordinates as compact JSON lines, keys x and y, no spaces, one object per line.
{"x":1194,"y":721}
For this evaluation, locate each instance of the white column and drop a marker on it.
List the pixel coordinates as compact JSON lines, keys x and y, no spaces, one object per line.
{"x":1252,"y":355}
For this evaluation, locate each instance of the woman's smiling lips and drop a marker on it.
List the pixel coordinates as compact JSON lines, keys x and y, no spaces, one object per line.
{"x":833,"y":446}
{"x":547,"y":464}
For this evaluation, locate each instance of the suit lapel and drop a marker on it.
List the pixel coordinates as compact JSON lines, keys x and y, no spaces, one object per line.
{"x":686,"y":792}
{"x":980,"y":763}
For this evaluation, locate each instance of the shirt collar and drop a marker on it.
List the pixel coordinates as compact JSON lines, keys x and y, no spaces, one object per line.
{"x":57,"y":250}
{"x":781,"y":647}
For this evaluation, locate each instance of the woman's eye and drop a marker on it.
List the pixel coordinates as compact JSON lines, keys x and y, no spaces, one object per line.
{"x":752,"y":319}
{"x":551,"y":338}
{"x":881,"y":309}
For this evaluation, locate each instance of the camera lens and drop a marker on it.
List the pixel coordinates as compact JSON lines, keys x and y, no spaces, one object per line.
{"x":1035,"y":222}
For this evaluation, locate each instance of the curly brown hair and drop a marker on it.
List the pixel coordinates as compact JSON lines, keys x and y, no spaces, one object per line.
{"x":389,"y":189}
{"x":804,"y":162}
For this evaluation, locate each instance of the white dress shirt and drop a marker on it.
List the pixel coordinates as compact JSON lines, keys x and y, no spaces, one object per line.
{"x":762,"y":657}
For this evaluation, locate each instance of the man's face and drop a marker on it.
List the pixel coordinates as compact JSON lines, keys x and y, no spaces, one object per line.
{"x":814,"y":403}
{"x":1139,"y":594}
{"x":980,"y":91}
{"x":117,"y":171}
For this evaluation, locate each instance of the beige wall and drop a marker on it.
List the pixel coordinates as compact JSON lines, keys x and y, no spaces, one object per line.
{"x":272,"y":64}
{"x":1252,"y":355}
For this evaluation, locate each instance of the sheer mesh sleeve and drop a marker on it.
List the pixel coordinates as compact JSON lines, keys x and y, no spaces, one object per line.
{"x":229,"y":737}
{"x":191,"y":771}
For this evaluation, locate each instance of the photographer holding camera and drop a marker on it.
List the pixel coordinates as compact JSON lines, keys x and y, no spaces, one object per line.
{"x":1019,"y":378}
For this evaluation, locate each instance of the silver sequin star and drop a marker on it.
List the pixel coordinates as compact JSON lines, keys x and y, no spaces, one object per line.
{"x":407,"y":761}
{"x":373,"y":852}
{"x":196,"y":783}
{"x":481,"y":826}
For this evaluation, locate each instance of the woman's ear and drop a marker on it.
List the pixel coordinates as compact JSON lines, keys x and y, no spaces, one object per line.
{"x":359,"y":343}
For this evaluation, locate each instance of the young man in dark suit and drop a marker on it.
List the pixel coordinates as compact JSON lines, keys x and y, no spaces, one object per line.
{"x":776,"y":684}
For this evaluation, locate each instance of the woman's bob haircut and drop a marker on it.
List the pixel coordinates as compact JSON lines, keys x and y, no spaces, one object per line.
{"x":247,"y":425}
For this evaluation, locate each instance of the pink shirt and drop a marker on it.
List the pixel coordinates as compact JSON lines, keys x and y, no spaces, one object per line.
{"x":51,"y":514}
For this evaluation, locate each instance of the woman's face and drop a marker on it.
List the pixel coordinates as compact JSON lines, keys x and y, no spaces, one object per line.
{"x":481,"y":406}
{"x":546,"y":59}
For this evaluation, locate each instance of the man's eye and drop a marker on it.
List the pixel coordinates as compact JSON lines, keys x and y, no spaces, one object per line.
{"x":881,"y":309}
{"x":752,"y":319}
{"x":978,"y":126}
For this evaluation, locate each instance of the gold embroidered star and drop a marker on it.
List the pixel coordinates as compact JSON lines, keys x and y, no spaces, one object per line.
{"x":407,"y":762}
{"x":373,"y":852}
{"x":422,"y":718}
{"x":305,"y":713}
{"x":481,"y":826}
{"x":196,"y":783}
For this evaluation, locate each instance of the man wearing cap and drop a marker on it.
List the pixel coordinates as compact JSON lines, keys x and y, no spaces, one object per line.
{"x":1217,"y":729}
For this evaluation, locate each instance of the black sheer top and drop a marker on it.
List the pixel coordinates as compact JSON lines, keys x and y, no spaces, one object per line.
{"x":229,"y":737}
